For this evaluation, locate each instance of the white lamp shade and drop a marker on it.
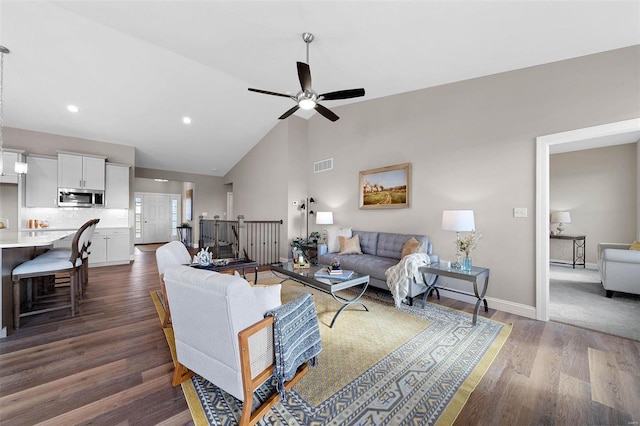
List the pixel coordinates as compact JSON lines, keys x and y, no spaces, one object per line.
{"x":324,"y":218}
{"x":458,"y":220}
{"x":20,"y":168}
{"x":560,"y":217}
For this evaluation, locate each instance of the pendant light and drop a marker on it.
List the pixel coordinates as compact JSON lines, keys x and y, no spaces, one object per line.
{"x":20,"y":167}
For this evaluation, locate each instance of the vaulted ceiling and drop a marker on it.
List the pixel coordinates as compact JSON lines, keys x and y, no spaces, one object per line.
{"x":136,"y":68}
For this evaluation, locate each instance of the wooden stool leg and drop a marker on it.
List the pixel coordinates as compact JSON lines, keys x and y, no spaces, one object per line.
{"x":16,"y":304}
{"x":73,"y":283}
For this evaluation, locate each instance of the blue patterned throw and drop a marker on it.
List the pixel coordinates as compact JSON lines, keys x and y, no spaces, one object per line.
{"x":296,"y":335}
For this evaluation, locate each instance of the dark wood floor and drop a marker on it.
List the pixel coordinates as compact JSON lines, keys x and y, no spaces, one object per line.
{"x":110,"y":365}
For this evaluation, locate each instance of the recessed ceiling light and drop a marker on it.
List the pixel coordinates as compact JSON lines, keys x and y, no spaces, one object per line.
{"x":186,"y":120}
{"x":161,"y":180}
{"x":72,"y":108}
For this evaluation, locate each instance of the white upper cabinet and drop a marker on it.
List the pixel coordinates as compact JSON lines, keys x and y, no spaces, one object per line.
{"x":80,"y":171}
{"x":8,"y":164}
{"x":41,"y":182}
{"x":117,"y":186}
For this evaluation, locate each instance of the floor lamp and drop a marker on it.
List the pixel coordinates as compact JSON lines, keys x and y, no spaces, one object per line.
{"x":308,"y":212}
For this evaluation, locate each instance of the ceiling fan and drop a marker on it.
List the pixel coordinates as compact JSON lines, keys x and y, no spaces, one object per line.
{"x":307,"y":98}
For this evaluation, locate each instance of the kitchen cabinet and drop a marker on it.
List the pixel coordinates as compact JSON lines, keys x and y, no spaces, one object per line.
{"x":109,"y":246}
{"x":41,"y":182}
{"x":8,"y":166}
{"x":81,"y":171}
{"x":117,"y":186}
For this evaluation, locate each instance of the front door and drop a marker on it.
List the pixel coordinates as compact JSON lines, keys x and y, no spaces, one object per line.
{"x":160,"y":214}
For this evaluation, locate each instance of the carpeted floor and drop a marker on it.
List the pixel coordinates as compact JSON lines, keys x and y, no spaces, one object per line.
{"x":578,"y":298}
{"x":385,"y":366}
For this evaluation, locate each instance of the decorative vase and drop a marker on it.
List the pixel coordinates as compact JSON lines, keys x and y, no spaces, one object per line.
{"x":466,"y":263}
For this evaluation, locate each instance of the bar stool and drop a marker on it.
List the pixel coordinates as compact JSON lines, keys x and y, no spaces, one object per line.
{"x":84,"y":243}
{"x":46,"y":266}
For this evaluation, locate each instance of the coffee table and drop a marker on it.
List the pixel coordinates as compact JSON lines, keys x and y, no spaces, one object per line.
{"x":234,"y":264}
{"x":330,"y":286}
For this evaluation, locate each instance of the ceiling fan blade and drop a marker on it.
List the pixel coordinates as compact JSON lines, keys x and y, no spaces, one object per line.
{"x":342,"y":94}
{"x":269,"y":93}
{"x":304,"y":75}
{"x":326,"y":112}
{"x":288,"y":113}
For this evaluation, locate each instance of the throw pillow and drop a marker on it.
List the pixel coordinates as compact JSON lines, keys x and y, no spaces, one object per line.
{"x":411,"y":246}
{"x":635,"y":246}
{"x":350,"y":245}
{"x":267,"y":296}
{"x":333,"y":242}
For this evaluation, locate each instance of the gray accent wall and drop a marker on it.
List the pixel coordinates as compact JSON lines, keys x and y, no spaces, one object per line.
{"x":471,"y":145}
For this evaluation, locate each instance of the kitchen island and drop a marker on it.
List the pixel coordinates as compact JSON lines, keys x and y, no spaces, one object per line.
{"x":15,"y":248}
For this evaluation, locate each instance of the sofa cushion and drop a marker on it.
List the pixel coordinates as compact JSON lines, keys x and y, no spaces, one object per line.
{"x":368,"y":241}
{"x":390,"y":245}
{"x":333,"y":242}
{"x":350,"y":245}
{"x":410,"y":247}
{"x":366,"y":264}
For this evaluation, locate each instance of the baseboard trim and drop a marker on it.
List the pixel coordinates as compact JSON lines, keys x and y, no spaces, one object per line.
{"x":564,"y":264}
{"x":497,"y":304}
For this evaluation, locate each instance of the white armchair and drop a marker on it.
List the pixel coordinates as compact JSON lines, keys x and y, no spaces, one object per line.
{"x":173,"y":253}
{"x":619,"y":268}
{"x":221,"y":333}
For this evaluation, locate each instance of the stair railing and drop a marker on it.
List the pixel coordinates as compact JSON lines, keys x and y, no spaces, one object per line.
{"x":258,"y":240}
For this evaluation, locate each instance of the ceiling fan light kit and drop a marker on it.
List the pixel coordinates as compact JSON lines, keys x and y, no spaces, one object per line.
{"x":307,"y":98}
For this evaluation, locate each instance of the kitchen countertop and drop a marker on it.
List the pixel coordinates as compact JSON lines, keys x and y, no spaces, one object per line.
{"x":49,"y":229}
{"x":32,"y":238}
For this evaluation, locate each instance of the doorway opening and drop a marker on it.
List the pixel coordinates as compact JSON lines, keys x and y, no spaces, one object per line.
{"x":621,"y":132}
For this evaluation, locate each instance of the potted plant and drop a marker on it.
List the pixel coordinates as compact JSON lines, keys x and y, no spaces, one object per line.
{"x":314,"y":237}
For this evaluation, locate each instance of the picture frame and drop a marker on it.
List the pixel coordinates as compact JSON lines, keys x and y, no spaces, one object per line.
{"x":385,"y":187}
{"x":188,"y":205}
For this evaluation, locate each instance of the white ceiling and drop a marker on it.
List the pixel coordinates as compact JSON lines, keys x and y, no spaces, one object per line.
{"x":135,"y":68}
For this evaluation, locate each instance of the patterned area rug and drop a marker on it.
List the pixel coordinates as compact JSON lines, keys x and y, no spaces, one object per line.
{"x":391,"y":366}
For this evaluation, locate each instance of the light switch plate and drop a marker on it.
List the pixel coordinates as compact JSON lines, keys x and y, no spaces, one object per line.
{"x":520,"y":212}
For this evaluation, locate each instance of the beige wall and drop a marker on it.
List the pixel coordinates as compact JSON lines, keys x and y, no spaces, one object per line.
{"x":9,"y":205}
{"x":49,"y":144}
{"x":599,"y":188}
{"x":471,"y":145}
{"x":264,"y":177}
{"x":209,"y":193}
{"x":149,"y":185}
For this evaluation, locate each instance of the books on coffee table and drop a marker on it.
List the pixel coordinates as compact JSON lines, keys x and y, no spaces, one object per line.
{"x":334,"y":274}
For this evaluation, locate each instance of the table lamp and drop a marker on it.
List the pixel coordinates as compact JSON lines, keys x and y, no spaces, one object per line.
{"x":560,"y":218}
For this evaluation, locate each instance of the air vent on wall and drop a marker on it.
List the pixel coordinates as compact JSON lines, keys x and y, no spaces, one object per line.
{"x":323,"y":165}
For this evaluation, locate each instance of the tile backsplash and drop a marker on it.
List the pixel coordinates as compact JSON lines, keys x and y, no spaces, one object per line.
{"x":70,"y":218}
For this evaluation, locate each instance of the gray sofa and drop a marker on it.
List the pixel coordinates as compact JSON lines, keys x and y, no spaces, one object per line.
{"x":381,"y":250}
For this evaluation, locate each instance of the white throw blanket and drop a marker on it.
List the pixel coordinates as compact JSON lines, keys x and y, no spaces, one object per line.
{"x":398,"y":276}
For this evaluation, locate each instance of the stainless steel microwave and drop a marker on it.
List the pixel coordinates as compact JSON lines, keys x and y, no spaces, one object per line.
{"x":80,"y":198}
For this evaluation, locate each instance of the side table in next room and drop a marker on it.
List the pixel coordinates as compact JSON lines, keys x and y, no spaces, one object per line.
{"x":579,"y":244}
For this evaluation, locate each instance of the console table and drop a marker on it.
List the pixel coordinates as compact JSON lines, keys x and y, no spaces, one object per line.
{"x":471,"y":276}
{"x":185,"y":235}
{"x":579,"y":244}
